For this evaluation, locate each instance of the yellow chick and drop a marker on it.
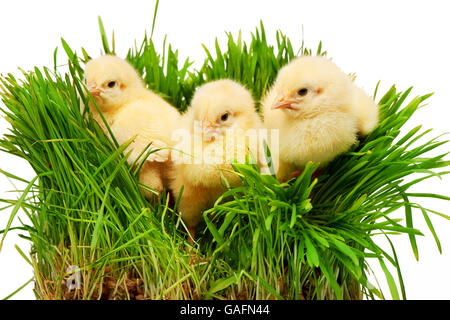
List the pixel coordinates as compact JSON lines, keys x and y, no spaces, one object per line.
{"x":222,"y":113}
{"x":133,"y":111}
{"x":318,"y":111}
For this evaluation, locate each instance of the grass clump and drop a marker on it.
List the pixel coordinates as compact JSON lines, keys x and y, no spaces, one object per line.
{"x":309,"y":238}
{"x":85,"y":206}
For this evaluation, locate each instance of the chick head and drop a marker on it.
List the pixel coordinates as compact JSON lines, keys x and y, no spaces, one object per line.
{"x":111,"y":81}
{"x":223,"y":105}
{"x":310,"y":85}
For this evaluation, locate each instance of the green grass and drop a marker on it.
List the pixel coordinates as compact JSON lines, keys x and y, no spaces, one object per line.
{"x":306,"y":239}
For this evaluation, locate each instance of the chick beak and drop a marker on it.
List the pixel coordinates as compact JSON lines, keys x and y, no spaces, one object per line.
{"x":93,"y":88}
{"x":210,"y":130}
{"x":283,"y":103}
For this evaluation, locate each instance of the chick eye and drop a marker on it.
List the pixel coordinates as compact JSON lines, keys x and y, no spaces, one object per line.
{"x":302,"y":92}
{"x":111,"y":84}
{"x":224,"y":117}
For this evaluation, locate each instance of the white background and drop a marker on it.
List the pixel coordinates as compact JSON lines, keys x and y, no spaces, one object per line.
{"x":398,"y":42}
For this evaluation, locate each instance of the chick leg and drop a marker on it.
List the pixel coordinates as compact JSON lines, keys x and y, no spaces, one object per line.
{"x":295,"y":174}
{"x":192,"y":203}
{"x":284,"y":171}
{"x":151,"y":177}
